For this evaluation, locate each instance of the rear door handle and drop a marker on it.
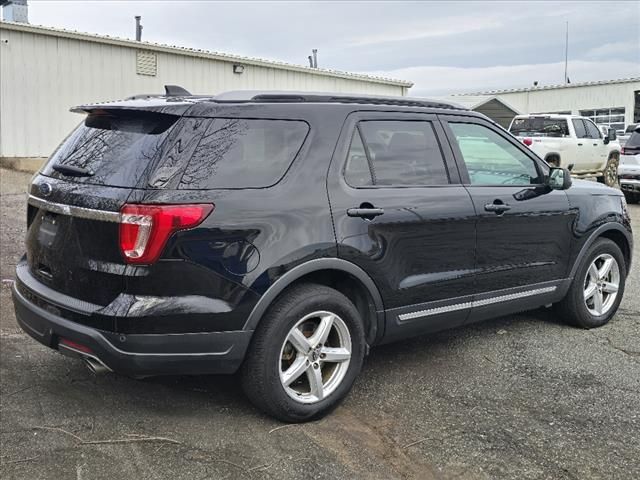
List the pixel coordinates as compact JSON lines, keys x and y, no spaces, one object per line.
{"x":365,"y":212}
{"x":497,"y":207}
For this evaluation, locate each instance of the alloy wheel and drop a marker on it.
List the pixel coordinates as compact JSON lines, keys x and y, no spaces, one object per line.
{"x":601,"y":284}
{"x":611,"y":172}
{"x":315,"y":357}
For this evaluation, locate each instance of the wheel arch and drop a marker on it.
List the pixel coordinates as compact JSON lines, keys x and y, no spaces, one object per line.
{"x":614,"y":232}
{"x":336,"y":273}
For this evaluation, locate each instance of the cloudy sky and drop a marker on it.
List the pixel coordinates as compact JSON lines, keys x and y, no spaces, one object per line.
{"x":443,"y":47}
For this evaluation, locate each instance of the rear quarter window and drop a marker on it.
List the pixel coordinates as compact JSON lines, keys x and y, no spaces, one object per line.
{"x":244,"y":153}
{"x":539,"y":127}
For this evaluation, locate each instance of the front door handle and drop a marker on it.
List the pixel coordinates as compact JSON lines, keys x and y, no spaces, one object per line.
{"x":497,"y":207}
{"x":367,"y":213}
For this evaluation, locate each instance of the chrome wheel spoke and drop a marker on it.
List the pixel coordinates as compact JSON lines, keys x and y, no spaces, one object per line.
{"x":605,"y":269}
{"x":593,"y":273}
{"x":591,"y":289}
{"x":299,"y":341}
{"x":297,"y":368}
{"x":335,"y":355}
{"x":315,"y":382}
{"x":609,"y":287}
{"x":597,"y":302}
{"x":322,"y":332}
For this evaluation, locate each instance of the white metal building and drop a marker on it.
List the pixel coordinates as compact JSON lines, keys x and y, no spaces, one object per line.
{"x":45,"y":71}
{"x":614,"y":103}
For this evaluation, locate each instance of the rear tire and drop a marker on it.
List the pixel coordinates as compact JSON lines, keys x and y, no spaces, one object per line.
{"x":287,"y":372}
{"x":591,"y":300}
{"x":610,"y":174}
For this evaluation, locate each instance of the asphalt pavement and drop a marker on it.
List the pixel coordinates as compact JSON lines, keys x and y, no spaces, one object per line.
{"x":520,"y":397}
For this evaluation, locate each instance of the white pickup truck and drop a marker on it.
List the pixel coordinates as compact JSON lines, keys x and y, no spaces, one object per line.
{"x":571,"y":142}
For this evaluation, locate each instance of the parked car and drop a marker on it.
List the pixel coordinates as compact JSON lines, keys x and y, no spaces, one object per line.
{"x":284,"y":234}
{"x":629,"y":170}
{"x":627,"y":133}
{"x":571,"y":142}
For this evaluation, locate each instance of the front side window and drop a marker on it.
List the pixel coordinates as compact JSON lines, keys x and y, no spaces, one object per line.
{"x":592,"y":130}
{"x":395,"y":153}
{"x":491,"y":159}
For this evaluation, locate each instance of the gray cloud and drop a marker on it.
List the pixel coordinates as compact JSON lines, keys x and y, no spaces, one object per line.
{"x":442,"y":46}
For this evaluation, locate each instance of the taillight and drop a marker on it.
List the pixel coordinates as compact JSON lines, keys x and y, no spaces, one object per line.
{"x":622,"y":151}
{"x":528,"y":142}
{"x":145,"y":229}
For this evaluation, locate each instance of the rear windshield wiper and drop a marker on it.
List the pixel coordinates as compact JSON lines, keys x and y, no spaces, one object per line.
{"x":72,"y":171}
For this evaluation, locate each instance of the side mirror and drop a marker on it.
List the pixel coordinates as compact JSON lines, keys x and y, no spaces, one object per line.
{"x":611,"y":134}
{"x":559,"y":178}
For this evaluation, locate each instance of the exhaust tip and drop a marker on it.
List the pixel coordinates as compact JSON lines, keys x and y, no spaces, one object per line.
{"x":95,"y":366}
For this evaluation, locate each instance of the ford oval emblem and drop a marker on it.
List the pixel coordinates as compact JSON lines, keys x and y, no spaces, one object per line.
{"x":45,"y":189}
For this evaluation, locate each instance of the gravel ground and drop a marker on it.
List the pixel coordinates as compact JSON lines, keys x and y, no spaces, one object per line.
{"x":519,"y":397}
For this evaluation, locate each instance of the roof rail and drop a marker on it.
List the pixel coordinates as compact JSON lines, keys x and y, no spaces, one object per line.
{"x":243,"y":96}
{"x":369,"y":100}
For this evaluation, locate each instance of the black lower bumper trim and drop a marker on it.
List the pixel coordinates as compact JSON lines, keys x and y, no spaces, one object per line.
{"x":143,"y":354}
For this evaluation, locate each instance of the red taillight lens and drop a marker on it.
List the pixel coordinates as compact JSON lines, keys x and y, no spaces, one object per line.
{"x":528,"y":142}
{"x":145,"y":229}
{"x":75,"y":345}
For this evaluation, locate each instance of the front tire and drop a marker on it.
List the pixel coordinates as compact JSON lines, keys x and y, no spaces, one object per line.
{"x":597,"y":289}
{"x":305,"y":354}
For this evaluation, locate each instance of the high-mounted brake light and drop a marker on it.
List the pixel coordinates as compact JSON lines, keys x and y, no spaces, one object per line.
{"x":145,"y":229}
{"x":528,"y":142}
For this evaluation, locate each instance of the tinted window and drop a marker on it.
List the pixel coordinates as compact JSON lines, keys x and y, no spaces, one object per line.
{"x":539,"y":127}
{"x":357,"y":171}
{"x":592,"y":130}
{"x":240,"y":153}
{"x":578,"y":125}
{"x":114,"y":149}
{"x":634,"y":140}
{"x":491,"y":159}
{"x":400,"y":153}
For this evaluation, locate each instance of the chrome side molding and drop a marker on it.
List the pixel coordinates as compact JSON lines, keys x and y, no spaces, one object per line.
{"x":476,"y":303}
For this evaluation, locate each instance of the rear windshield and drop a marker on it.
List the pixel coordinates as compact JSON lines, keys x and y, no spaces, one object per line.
{"x":242,"y":153}
{"x":113,"y":150}
{"x":633,"y":141}
{"x":539,"y":127}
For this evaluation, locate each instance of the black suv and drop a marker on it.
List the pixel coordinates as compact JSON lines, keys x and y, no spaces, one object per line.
{"x":283,"y":234}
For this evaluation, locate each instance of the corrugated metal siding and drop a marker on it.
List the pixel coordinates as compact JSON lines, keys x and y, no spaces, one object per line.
{"x":44,"y":75}
{"x":576,"y":99}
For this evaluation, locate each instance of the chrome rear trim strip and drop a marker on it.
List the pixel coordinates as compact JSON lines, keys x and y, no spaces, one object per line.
{"x":74,"y":211}
{"x":476,"y":303}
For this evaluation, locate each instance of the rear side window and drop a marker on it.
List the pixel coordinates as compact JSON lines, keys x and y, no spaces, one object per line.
{"x":112,"y":149}
{"x":539,"y":127}
{"x":395,"y":153}
{"x":242,"y":153}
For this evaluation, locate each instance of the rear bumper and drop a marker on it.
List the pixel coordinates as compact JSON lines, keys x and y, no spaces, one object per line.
{"x":629,"y":185}
{"x":138,"y":354}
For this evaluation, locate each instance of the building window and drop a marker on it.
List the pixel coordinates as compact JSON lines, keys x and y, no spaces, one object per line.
{"x":607,"y":117}
{"x":146,"y":63}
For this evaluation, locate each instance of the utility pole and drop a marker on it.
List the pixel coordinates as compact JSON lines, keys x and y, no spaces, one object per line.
{"x":566,"y":55}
